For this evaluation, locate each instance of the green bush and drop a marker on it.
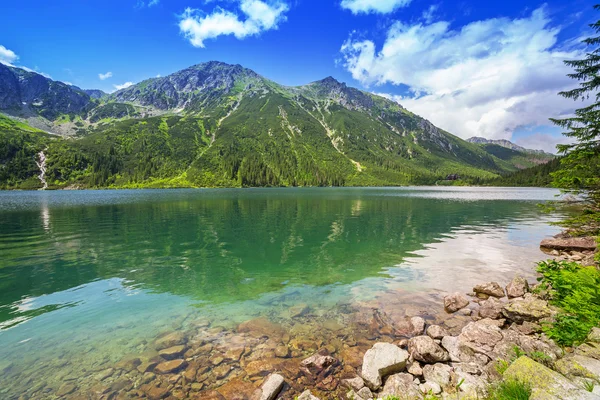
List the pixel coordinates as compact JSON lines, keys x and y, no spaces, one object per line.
{"x":576,"y":291}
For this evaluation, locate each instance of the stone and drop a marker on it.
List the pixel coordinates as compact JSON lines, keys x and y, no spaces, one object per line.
{"x":261,"y":327}
{"x":430,"y":388}
{"x":298,"y":310}
{"x":169,"y":367}
{"x":454,"y":302}
{"x":409,"y":327}
{"x":491,"y":308}
{"x":221,"y":371}
{"x":270,"y":388}
{"x":147,"y":366}
{"x":414,"y":368}
{"x":282,"y":351}
{"x":354,"y":383}
{"x":172,"y":353}
{"x":594,"y":335}
{"x":480,"y":337}
{"x":438,"y":373}
{"x":517,"y":287}
{"x":425,"y":349}
{"x":570,"y":244}
{"x":170,"y":340}
{"x":307,"y":395}
{"x":589,"y":349}
{"x":318,"y":365}
{"x":401,"y":384}
{"x":102,"y":375}
{"x":66,"y":389}
{"x":436,"y":332}
{"x":155,"y":392}
{"x":545,"y":383}
{"x":577,"y":365}
{"x":418,"y":324}
{"x":529,"y":308}
{"x":492,"y":289}
{"x":364,"y":393}
{"x":381,"y":360}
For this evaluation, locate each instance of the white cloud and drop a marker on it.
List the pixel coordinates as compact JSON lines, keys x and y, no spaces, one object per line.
{"x":141,"y":3}
{"x":373,"y":6}
{"x":543,"y":141}
{"x":485,"y":79}
{"x":153,"y":3}
{"x":7,"y":56}
{"x":123,"y":86}
{"x":260,"y":16}
{"x":105,"y":76}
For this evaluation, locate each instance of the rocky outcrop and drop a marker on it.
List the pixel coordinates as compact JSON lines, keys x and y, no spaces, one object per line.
{"x":545,"y":383}
{"x":381,"y":360}
{"x":588,"y":243}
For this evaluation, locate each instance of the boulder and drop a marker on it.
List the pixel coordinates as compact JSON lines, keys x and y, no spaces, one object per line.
{"x":454,"y":302}
{"x":409,"y":327}
{"x":381,"y":360}
{"x":480,"y":337}
{"x":270,"y":388}
{"x":570,"y":244}
{"x":529,"y":308}
{"x":436,"y":332}
{"x":576,"y":365}
{"x":364,"y":394}
{"x":354,"y":383}
{"x":318,"y":365}
{"x":438,"y":373}
{"x":401,"y":384}
{"x":425,"y":349}
{"x":491,"y":308}
{"x":545,"y":383}
{"x":517,"y":287}
{"x":492,"y":289}
{"x":594,"y":335}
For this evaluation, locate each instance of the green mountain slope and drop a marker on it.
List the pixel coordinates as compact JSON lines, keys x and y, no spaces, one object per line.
{"x":516,"y":156}
{"x":220,"y":125}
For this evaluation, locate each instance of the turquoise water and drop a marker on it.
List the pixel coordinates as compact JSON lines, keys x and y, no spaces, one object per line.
{"x":87,"y":277}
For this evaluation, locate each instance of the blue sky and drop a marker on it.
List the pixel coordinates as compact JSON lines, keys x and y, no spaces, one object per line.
{"x":473,"y":68}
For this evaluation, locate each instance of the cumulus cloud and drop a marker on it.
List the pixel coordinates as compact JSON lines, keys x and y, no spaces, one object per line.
{"x":7,"y":56}
{"x":105,"y":76}
{"x":256,"y":16}
{"x":373,"y":6}
{"x":123,"y":86}
{"x":485,"y":79}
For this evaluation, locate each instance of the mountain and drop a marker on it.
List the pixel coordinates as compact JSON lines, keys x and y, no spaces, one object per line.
{"x":222,"y":125}
{"x":519,"y":157}
{"x":95,"y":93}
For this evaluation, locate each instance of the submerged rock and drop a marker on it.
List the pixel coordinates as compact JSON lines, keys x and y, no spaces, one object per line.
{"x":545,"y":383}
{"x":172,"y":352}
{"x":454,"y":302}
{"x":169,"y":367}
{"x":424,"y":348}
{"x":381,"y":360}
{"x":270,"y":388}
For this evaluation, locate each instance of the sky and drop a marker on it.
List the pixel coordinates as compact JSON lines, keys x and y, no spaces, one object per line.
{"x":473,"y":68}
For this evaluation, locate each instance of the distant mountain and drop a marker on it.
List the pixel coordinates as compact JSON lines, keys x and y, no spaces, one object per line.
{"x":216,"y":124}
{"x":95,"y":93}
{"x":518,"y":156}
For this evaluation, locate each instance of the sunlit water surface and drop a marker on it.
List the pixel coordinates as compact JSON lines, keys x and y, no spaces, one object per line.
{"x":90,"y":276}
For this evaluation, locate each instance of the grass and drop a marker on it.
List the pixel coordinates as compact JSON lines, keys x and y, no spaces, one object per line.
{"x":510,"y":390}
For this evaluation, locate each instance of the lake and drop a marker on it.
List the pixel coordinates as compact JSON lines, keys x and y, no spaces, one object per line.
{"x":93,"y":282}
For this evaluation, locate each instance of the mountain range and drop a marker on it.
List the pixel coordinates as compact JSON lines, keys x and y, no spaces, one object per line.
{"x":221,"y":125}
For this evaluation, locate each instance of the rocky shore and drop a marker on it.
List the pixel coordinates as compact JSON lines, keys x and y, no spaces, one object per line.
{"x":474,"y":340}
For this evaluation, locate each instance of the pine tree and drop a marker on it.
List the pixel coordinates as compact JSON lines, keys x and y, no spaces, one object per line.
{"x":580,"y":168}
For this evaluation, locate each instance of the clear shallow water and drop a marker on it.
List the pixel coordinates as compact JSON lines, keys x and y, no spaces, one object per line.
{"x":89,"y":277}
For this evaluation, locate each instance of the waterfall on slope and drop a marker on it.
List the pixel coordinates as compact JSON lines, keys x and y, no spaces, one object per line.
{"x":42,"y":166}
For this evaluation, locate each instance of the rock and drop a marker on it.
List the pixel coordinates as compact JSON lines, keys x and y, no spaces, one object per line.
{"x":415,"y":369}
{"x":66,"y":389}
{"x":169,"y":367}
{"x":438,"y":373}
{"x":298,"y":310}
{"x":307,"y":395}
{"x":381,"y":360}
{"x":282,"y":351}
{"x":545,"y":383}
{"x":354,"y":383}
{"x":491,"y":308}
{"x":430,"y":388}
{"x":570,"y":244}
{"x":401,"y":384}
{"x":529,"y":308}
{"x":489,"y":289}
{"x":480,"y":337}
{"x":577,"y":365}
{"x":260,"y":327}
{"x":102,"y":375}
{"x":454,"y":302}
{"x":154,"y":392}
{"x":409,"y":327}
{"x":270,"y":388}
{"x":172,"y":353}
{"x":364,"y":393}
{"x":418,"y":324}
{"x":526,"y":328}
{"x":436,"y":332}
{"x":594,"y":335}
{"x":425,"y":349}
{"x":589,"y":349}
{"x":147,"y":366}
{"x":170,"y":340}
{"x":318,"y":365}
{"x":517,"y":287}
